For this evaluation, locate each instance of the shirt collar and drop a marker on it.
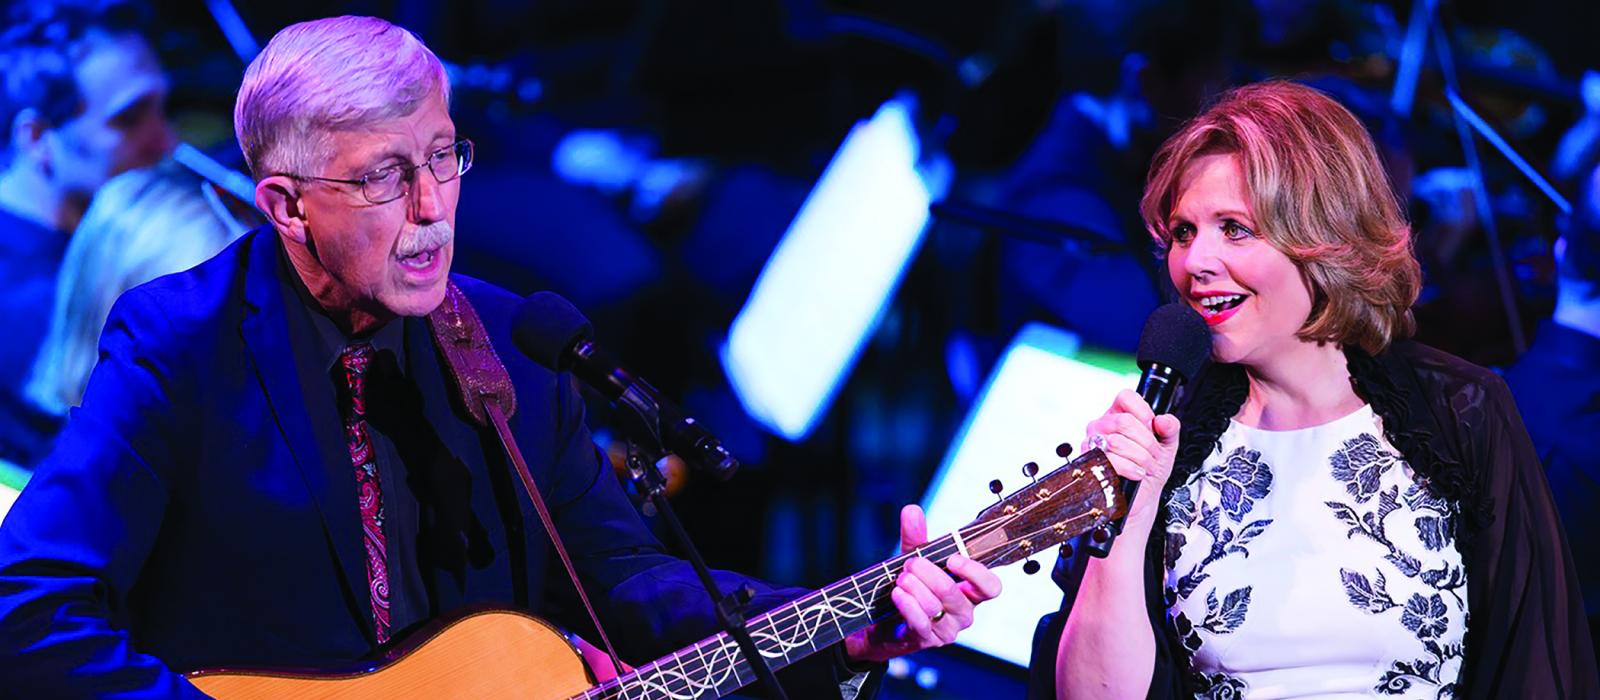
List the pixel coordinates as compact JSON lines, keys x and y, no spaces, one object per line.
{"x":331,"y":341}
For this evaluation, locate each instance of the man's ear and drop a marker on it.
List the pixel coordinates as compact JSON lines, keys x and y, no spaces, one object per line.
{"x":279,"y":198}
{"x":28,"y":130}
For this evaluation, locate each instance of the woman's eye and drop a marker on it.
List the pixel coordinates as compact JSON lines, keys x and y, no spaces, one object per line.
{"x":1182,"y":233}
{"x":1236,"y":230}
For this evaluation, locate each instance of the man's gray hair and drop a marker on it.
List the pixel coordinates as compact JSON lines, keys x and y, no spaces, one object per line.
{"x":329,"y":75}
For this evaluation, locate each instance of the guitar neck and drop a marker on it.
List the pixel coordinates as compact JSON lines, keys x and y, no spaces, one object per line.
{"x":1070,"y":500}
{"x":715,"y":666}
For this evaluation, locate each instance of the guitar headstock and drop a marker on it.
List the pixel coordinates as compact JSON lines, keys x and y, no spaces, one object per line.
{"x":1080,"y":495}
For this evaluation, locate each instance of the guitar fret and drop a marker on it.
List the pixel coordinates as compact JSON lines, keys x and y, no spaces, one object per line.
{"x":688,"y":681}
{"x":770,"y":635}
{"x":710,"y":673}
{"x":828,"y":603}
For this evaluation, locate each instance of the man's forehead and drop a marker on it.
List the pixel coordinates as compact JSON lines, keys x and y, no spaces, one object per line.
{"x":402,"y":137}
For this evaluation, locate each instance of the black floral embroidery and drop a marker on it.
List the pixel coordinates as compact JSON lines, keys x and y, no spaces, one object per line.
{"x":1242,"y":480}
{"x":1400,"y":676}
{"x":1224,"y":541}
{"x":1360,"y":464}
{"x":1186,"y":633}
{"x":1418,"y":497}
{"x":1425,"y":616}
{"x":1371,"y":597}
{"x":1180,"y":515}
{"x":1403,"y":675}
{"x":1217,"y":686}
{"x":1180,"y":508}
{"x":1434,"y":532}
{"x":1228,"y":615}
{"x":1175,"y":544}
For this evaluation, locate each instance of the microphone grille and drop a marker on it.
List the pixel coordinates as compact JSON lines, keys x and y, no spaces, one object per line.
{"x":546,"y":326}
{"x":1177,"y":337}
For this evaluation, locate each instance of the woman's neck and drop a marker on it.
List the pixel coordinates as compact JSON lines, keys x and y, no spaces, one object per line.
{"x":1305,"y":387}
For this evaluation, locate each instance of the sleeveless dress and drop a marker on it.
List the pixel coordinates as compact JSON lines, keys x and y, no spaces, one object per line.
{"x":1313,"y":563}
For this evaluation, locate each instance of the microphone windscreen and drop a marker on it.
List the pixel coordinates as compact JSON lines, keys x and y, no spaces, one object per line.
{"x":546,"y":326}
{"x":1177,"y":337}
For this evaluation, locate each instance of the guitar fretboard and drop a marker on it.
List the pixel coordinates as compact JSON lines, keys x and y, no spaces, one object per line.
{"x":715,"y":667}
{"x":1068,"y":501}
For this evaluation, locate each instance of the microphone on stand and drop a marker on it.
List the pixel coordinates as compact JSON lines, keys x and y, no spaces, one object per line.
{"x":1174,"y":346}
{"x":555,"y":334}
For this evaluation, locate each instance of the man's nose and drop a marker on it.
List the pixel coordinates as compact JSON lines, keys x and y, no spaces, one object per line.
{"x":427,"y":197}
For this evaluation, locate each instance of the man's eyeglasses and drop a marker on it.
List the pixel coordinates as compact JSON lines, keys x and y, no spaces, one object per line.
{"x":391,"y":182}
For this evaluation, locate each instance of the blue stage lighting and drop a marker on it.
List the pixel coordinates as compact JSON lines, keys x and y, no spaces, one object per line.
{"x":827,"y":283}
{"x":1043,"y":391}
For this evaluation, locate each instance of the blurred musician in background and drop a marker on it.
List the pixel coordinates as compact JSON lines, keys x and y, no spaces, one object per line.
{"x":81,"y":100}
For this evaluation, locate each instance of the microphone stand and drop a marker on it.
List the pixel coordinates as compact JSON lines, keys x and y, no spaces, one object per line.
{"x":642,"y":423}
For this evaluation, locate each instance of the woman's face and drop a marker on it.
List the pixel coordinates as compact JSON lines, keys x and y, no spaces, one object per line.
{"x":1252,"y":296}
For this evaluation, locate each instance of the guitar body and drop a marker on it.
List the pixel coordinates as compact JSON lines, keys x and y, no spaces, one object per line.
{"x":488,"y":654}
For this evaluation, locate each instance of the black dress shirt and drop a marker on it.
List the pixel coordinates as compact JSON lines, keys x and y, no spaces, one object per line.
{"x":392,"y":410}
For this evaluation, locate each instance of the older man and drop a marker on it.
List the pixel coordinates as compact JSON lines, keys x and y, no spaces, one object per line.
{"x":202,"y":508}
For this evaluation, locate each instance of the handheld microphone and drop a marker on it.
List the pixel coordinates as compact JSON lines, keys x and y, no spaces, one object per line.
{"x":1173,"y":347}
{"x":555,"y":334}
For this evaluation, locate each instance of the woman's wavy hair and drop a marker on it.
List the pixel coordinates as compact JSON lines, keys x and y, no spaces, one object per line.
{"x":1319,"y":193}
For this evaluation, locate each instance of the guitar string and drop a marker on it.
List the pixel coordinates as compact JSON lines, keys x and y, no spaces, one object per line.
{"x":644,"y":678}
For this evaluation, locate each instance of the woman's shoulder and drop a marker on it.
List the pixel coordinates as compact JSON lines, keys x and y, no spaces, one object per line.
{"x":1442,"y":377}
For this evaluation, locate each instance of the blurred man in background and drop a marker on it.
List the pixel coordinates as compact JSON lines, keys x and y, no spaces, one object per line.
{"x":81,"y":100}
{"x":1557,"y":382}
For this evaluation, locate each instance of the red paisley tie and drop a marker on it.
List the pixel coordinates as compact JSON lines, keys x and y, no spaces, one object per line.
{"x":369,"y":490}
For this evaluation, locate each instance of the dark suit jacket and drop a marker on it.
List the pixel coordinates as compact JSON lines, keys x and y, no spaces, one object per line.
{"x":186,"y":518}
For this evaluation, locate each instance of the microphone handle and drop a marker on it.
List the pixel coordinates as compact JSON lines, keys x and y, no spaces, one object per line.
{"x":1158,"y":386}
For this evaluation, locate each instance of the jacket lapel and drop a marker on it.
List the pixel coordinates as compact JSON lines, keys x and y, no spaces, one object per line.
{"x":270,"y":348}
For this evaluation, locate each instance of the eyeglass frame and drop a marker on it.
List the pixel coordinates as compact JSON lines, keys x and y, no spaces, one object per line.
{"x":408,"y":172}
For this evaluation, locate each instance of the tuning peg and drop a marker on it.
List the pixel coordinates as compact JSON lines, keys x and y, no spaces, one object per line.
{"x":1031,"y":470}
{"x":1064,"y":450}
{"x":1101,"y":534}
{"x":995,"y":487}
{"x":1030,"y":567}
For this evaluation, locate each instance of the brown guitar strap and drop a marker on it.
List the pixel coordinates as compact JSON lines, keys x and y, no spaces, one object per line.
{"x":488,"y":394}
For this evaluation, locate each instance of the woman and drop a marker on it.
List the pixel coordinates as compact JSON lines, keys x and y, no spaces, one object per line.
{"x":1335,"y":501}
{"x":142,"y":224}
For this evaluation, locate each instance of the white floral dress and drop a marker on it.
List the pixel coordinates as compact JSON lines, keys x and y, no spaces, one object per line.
{"x":1312,"y":563}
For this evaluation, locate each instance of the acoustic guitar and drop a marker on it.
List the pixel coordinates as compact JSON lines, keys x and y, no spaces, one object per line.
{"x":493,"y":654}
